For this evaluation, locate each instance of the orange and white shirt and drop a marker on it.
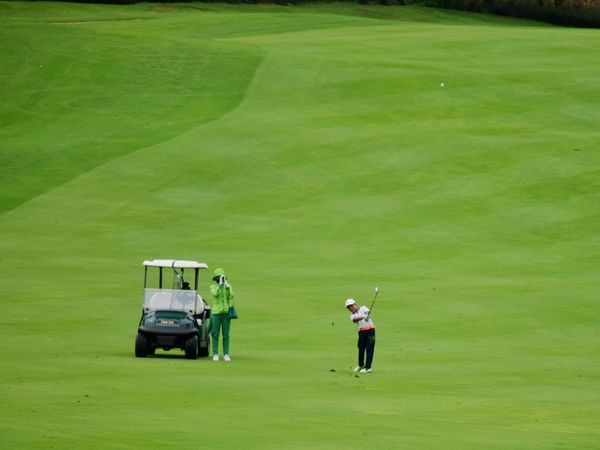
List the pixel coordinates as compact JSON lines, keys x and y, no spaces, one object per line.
{"x":365,"y":323}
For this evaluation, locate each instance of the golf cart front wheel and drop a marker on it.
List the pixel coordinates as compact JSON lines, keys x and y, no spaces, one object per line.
{"x":191,"y":348}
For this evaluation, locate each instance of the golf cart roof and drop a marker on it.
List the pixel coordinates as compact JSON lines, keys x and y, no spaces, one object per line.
{"x":177,"y":263}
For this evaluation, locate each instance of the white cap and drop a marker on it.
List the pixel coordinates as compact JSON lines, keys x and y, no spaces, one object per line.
{"x":349,"y":302}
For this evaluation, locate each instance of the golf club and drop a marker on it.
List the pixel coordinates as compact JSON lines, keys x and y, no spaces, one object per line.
{"x":373,"y":302}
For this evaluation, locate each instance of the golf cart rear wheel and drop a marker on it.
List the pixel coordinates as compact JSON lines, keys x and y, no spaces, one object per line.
{"x":141,"y":346}
{"x":191,"y":348}
{"x":203,"y":351}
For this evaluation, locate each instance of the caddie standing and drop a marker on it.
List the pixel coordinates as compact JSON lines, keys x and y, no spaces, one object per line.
{"x":222,"y":294}
{"x":366,"y":335}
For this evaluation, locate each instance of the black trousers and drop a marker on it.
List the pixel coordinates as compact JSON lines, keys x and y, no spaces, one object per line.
{"x":366,"y":344}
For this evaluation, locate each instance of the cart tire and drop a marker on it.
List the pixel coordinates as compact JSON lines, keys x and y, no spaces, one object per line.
{"x":141,"y":346}
{"x":191,"y":347}
{"x":203,"y":351}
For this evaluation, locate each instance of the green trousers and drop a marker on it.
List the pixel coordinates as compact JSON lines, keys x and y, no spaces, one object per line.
{"x":218,"y":322}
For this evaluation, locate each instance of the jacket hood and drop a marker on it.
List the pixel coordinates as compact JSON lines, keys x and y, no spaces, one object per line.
{"x":218,"y":272}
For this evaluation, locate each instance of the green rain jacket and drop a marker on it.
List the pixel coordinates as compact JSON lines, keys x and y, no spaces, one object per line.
{"x":222,"y":295}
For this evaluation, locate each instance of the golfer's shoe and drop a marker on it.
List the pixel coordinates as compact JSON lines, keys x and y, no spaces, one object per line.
{"x":364,"y":370}
{"x":215,"y":357}
{"x":357,"y":369}
{"x":226,"y":358}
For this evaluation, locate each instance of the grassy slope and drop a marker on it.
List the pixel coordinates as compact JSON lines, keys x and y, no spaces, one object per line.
{"x":328,"y":160}
{"x":133,"y":89}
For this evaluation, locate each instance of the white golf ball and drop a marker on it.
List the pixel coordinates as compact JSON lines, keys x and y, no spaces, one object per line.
{"x":441,"y":84}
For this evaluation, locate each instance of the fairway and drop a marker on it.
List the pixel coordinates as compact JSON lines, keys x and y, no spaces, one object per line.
{"x":314,"y":152}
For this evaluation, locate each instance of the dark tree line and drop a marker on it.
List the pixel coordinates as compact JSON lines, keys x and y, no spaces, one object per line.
{"x":575,"y":13}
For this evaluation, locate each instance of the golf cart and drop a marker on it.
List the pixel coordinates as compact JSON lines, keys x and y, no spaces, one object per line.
{"x":174,"y":317}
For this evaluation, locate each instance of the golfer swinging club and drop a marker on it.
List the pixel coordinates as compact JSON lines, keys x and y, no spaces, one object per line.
{"x":366,"y":335}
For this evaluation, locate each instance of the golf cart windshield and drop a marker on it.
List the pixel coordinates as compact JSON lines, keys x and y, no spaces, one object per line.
{"x":170,"y":300}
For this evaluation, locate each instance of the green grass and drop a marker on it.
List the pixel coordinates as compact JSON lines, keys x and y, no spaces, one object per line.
{"x":312,"y":153}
